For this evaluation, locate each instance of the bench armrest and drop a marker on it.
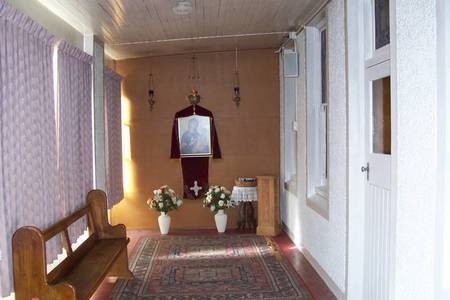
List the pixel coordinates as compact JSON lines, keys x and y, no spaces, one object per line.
{"x":114,"y":232}
{"x":98,"y":217}
{"x":30,"y":268}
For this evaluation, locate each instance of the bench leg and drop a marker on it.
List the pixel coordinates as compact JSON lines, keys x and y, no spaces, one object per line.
{"x":120,"y":266}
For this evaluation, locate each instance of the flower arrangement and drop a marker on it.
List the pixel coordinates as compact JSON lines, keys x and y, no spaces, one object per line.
{"x":164,"y":200}
{"x":218,"y":198}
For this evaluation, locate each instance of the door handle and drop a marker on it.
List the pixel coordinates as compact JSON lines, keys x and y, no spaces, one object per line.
{"x":366,"y":169}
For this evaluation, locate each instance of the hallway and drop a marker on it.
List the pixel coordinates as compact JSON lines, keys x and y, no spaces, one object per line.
{"x":139,"y":136}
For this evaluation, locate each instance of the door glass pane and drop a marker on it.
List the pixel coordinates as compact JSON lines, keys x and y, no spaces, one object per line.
{"x":381,"y":118}
{"x":381,"y":23}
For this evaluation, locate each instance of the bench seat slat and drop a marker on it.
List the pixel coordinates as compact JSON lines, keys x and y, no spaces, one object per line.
{"x":89,"y":272}
{"x":70,"y":261}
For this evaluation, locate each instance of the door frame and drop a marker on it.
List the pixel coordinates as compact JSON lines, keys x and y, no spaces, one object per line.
{"x":356,"y":150}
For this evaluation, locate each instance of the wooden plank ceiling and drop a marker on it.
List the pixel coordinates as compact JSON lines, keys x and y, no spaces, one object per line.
{"x":134,"y":28}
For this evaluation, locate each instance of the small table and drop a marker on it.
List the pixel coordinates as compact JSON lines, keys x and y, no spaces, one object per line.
{"x":246,"y":196}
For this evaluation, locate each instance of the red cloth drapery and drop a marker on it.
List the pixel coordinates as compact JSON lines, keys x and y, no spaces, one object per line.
{"x":195,"y":169}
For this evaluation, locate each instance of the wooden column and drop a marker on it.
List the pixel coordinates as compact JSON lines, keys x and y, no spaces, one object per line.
{"x":268,"y":206}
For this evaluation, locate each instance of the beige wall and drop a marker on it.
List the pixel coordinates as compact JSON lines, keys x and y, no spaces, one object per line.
{"x":249,"y":136}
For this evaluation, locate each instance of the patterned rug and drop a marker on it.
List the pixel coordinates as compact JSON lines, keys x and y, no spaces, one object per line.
{"x":210,"y":267}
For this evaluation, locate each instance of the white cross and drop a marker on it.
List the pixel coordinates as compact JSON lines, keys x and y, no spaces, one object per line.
{"x":196,"y":188}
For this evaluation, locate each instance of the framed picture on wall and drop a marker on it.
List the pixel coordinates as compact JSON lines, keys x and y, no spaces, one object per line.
{"x":194,"y":136}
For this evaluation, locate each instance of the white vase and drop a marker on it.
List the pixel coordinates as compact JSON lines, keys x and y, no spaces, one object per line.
{"x":164,"y":223}
{"x":221,"y":221}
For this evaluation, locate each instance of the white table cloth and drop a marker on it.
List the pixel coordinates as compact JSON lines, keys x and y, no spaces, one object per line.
{"x":244,"y":194}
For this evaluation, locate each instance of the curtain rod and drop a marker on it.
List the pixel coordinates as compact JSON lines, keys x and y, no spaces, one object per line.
{"x":308,"y":20}
{"x":318,"y":11}
{"x":201,"y":38}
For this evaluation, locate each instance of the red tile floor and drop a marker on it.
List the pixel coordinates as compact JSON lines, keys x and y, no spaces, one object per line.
{"x":312,"y":280}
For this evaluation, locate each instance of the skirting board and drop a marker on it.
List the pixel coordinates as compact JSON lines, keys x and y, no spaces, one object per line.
{"x":327,"y":279}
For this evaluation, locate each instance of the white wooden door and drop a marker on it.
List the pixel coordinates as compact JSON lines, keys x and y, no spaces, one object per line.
{"x":379,"y":209}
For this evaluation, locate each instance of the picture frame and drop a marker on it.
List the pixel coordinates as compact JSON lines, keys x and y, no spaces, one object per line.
{"x":194,"y":134}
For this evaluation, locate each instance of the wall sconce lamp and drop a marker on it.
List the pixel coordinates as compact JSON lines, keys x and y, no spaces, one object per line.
{"x":237,"y":92}
{"x":151,"y":92}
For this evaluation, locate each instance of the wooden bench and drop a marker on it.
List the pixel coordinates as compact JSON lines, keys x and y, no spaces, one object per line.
{"x":103,"y":254}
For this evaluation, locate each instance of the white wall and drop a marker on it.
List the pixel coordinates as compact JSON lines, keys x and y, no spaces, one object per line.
{"x":324,"y":241}
{"x":443,"y":203}
{"x":420,"y":165}
{"x":50,"y":21}
{"x":414,"y":74}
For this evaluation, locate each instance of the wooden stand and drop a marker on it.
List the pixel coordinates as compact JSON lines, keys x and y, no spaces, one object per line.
{"x":268,"y":206}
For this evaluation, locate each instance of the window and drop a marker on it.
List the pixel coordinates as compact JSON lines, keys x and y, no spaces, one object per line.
{"x":381,"y":22}
{"x":377,"y":32}
{"x":317,"y":115}
{"x":380,"y":86}
{"x":324,"y":108}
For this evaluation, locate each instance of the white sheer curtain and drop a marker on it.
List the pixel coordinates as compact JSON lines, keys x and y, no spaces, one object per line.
{"x":114,"y":173}
{"x":75,"y":158}
{"x":28,"y":173}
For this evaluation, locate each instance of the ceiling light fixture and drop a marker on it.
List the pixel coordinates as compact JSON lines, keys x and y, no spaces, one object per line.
{"x":182,"y":8}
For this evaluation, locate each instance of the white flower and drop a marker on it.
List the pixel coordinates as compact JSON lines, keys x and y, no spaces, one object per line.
{"x":174,"y":199}
{"x":222,"y":189}
{"x":217,"y":190}
{"x":213,"y":207}
{"x":179,"y":202}
{"x":155,"y":192}
{"x":222,"y":196}
{"x":221,"y":203}
{"x":161,"y":205}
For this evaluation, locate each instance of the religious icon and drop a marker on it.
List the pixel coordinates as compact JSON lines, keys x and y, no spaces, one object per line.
{"x":195,"y":136}
{"x":194,"y":142}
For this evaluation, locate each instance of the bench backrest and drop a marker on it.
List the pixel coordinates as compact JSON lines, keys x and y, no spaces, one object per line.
{"x":61,"y":228}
